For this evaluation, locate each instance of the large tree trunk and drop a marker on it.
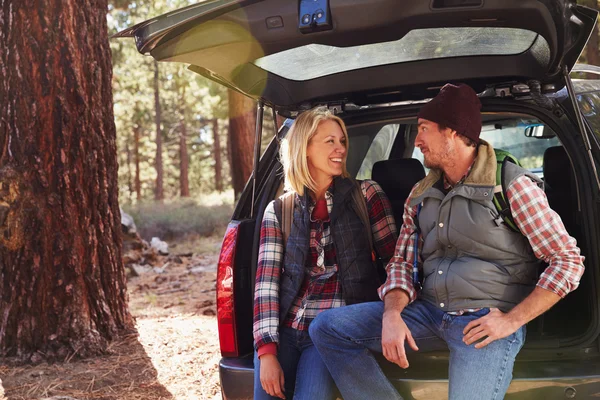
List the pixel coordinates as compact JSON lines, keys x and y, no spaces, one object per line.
{"x":136,"y":156}
{"x":217,"y":155}
{"x":62,"y":281}
{"x":159,"y":193}
{"x":242,"y":126}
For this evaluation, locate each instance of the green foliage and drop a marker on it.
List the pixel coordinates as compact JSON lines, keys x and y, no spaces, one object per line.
{"x":188,"y":102}
{"x":204,"y":216}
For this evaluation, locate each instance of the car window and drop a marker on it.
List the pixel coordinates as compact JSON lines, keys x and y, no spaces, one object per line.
{"x":510,"y":134}
{"x":588,"y":96}
{"x":316,"y":60}
{"x":380,"y":149}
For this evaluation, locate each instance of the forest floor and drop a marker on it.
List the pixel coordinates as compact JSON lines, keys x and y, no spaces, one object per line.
{"x":175,"y":354}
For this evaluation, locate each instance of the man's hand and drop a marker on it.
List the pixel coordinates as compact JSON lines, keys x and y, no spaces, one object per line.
{"x":493,"y":326}
{"x":271,"y":375}
{"x":393,"y":335}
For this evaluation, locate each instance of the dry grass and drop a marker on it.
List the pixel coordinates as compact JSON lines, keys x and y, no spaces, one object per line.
{"x":175,"y":355}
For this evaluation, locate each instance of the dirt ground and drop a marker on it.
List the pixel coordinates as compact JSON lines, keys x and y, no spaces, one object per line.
{"x":175,"y":355}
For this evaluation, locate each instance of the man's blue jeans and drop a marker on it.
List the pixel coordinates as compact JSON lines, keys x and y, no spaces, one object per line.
{"x":347,"y":336}
{"x":305,"y":374}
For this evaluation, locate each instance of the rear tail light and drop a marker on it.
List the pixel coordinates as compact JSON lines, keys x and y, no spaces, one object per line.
{"x":225,"y":292}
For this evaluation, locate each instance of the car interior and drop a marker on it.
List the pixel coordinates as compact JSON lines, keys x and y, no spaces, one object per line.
{"x":399,"y":166}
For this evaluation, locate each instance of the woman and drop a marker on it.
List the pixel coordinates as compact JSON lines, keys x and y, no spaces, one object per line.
{"x":327,"y":262}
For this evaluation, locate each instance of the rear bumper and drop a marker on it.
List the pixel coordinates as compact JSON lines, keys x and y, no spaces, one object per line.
{"x":237,"y":378}
{"x":532,"y":380}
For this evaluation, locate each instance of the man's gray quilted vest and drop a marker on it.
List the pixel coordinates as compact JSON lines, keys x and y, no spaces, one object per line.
{"x":471,"y":259}
{"x":356,"y":270}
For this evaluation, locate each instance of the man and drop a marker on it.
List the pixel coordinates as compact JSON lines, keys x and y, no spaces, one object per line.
{"x":481,"y":283}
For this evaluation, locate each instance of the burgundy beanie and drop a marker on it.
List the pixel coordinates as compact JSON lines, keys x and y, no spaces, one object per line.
{"x":456,"y":107}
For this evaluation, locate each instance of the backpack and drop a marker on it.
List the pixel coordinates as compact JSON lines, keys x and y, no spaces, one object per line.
{"x":500,"y":198}
{"x":284,"y":210}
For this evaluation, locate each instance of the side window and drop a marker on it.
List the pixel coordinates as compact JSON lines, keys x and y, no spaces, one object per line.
{"x":526,"y":139}
{"x":588,"y":97}
{"x":380,"y":149}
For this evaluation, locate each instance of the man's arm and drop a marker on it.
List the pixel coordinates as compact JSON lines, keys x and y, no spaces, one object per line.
{"x":394,"y":331}
{"x":497,"y":325}
{"x":398,"y":291}
{"x":551,"y":243}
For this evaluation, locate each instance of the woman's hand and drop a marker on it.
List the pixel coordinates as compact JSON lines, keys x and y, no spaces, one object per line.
{"x":271,"y":375}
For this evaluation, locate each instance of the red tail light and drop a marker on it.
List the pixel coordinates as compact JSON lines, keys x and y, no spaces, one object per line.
{"x":225,"y":292}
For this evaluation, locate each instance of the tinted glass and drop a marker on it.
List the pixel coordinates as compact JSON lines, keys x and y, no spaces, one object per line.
{"x":315,"y":60}
{"x":509,"y":135}
{"x":588,"y":96}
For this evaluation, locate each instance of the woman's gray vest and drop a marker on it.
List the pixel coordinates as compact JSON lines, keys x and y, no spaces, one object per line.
{"x":471,"y":259}
{"x":356,"y":269}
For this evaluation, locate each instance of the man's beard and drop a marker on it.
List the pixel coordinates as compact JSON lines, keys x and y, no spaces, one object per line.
{"x":440,"y":160}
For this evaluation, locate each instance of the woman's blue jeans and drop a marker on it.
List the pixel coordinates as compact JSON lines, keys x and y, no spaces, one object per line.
{"x":305,"y":374}
{"x":347,"y":336}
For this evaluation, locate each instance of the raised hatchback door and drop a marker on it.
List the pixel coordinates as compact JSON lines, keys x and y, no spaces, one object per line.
{"x":371,"y":50}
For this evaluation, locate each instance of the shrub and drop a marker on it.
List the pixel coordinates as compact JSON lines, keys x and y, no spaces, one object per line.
{"x":176,"y":219}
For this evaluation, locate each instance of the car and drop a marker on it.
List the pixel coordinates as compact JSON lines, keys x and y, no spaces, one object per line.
{"x":374,"y":63}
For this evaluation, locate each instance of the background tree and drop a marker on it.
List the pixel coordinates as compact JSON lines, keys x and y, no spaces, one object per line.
{"x":242,"y":126}
{"x":63,"y":283}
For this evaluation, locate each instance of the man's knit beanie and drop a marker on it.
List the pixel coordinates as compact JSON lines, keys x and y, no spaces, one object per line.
{"x":457,"y":108}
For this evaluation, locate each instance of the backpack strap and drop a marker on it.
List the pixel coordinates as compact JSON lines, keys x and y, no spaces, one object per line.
{"x":360,"y":206}
{"x":501,"y":198}
{"x":284,"y":211}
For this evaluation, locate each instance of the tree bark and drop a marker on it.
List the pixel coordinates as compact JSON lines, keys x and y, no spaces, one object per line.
{"x":217,"y":155}
{"x":159,"y":193}
{"x":62,"y":281}
{"x":242,"y":126}
{"x":136,"y":156}
{"x":129,"y":173}
{"x":184,"y":161}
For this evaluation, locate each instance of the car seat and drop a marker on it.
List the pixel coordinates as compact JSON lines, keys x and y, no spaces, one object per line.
{"x":397,"y":178}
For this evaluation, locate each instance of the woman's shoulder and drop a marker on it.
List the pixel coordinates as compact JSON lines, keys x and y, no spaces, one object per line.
{"x":370,"y":187}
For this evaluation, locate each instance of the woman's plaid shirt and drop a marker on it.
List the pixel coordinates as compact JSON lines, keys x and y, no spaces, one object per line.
{"x":537,"y":221}
{"x":321,"y":289}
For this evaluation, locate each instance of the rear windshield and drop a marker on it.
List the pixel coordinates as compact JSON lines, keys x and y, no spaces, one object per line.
{"x":315,"y":60}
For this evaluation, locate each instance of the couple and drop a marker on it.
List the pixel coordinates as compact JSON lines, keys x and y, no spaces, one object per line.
{"x":481,"y":281}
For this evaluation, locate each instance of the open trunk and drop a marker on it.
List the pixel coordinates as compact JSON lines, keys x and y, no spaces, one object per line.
{"x":374,"y":62}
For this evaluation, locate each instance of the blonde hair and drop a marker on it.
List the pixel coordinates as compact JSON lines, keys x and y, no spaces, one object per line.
{"x":293,"y":148}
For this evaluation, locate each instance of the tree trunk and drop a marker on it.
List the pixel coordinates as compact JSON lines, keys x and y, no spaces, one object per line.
{"x":129,"y":174}
{"x":184,"y":161}
{"x":592,"y":52}
{"x":242,"y":125}
{"x":136,"y":149}
{"x":217,"y":154}
{"x":62,"y":282}
{"x":159,"y":193}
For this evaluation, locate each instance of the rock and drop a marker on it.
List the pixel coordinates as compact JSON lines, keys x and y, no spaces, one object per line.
{"x":162,"y":247}
{"x":161,"y":270}
{"x":127,"y":223}
{"x":209,"y":311}
{"x":140,"y":269}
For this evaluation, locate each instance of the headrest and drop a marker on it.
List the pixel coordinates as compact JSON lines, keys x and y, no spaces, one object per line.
{"x":398,"y":174}
{"x":557,"y":167}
